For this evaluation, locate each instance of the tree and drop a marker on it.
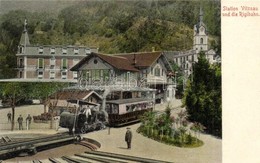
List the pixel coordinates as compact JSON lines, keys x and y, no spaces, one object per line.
{"x":12,"y":93}
{"x":202,"y":97}
{"x":42,"y":91}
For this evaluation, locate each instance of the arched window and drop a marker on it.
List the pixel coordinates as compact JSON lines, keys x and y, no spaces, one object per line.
{"x":201,"y":40}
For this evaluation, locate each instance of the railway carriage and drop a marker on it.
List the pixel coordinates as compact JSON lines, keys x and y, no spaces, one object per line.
{"x":125,"y":111}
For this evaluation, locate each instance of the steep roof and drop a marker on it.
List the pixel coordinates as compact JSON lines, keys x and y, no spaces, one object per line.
{"x":121,"y":63}
{"x":144,"y":59}
{"x":73,"y":94}
{"x":118,"y":62}
{"x":127,"y":61}
{"x":24,"y":40}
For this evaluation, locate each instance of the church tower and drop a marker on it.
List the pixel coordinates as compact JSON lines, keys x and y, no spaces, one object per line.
{"x":22,"y":53}
{"x":24,"y":39}
{"x":200,"y":38}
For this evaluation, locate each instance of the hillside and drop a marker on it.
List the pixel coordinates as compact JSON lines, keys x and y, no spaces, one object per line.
{"x":53,"y":6}
{"x":112,"y":26}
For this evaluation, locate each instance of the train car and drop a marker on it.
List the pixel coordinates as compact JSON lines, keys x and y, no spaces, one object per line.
{"x":125,"y":111}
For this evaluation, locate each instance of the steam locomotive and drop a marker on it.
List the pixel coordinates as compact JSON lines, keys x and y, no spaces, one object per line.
{"x":120,"y":112}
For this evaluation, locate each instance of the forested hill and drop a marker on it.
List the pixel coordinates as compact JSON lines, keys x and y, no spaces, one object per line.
{"x":112,"y":26}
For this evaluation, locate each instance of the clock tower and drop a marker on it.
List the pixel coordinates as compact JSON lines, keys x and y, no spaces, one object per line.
{"x":200,"y":37}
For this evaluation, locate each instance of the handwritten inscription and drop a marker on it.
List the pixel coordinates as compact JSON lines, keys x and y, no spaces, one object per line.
{"x":240,"y":11}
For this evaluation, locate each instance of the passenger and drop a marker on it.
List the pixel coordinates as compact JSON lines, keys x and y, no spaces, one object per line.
{"x":128,"y":137}
{"x":20,"y":122}
{"x":9,"y":116}
{"x":28,"y":121}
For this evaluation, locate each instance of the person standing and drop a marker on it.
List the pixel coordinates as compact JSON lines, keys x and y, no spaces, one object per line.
{"x":20,"y":122}
{"x":28,"y":121}
{"x":9,"y":116}
{"x":128,"y":137}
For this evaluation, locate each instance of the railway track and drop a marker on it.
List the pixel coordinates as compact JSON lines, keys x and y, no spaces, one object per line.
{"x":100,"y":157}
{"x":31,"y":146}
{"x":94,"y":156}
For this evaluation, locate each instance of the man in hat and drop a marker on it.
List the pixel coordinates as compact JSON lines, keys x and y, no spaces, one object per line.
{"x":28,"y":121}
{"x":9,"y":116}
{"x":128,"y":137}
{"x":20,"y":122}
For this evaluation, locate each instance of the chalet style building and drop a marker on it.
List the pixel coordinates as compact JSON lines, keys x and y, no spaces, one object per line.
{"x":48,"y":62}
{"x":126,"y":75}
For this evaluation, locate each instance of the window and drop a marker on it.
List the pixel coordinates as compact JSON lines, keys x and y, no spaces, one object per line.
{"x":64,"y":50}
{"x":75,"y":75}
{"x":52,"y":50}
{"x":88,"y":51}
{"x":63,"y":75}
{"x":40,"y":74}
{"x":52,"y":61}
{"x":76,"y":51}
{"x":20,"y":74}
{"x":201,"y":40}
{"x":96,"y":74}
{"x":52,"y":74}
{"x":40,"y":63}
{"x":64,"y":63}
{"x":21,"y":62}
{"x":21,"y":49}
{"x":40,"y":50}
{"x":157,"y":71}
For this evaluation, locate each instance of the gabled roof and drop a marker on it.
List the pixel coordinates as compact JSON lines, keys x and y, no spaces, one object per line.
{"x":127,"y":61}
{"x":144,"y":59}
{"x":69,"y":94}
{"x":117,"y":62}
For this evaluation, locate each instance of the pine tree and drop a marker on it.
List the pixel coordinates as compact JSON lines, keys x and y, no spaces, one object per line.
{"x":203,"y":96}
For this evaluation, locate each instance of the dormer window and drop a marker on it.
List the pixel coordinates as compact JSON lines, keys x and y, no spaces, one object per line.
{"x":21,"y":49}
{"x":64,"y":50}
{"x":40,"y":50}
{"x":52,"y":50}
{"x":76,"y":51}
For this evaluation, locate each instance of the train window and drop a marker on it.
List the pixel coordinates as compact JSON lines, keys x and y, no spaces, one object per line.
{"x":114,"y":108}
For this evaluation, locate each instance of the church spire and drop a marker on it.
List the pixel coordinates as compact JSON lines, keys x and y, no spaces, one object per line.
{"x":25,"y":24}
{"x":25,"y":38}
{"x":201,"y":15}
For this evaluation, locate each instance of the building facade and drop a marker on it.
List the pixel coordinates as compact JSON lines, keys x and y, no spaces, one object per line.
{"x":126,"y":75}
{"x":48,"y":62}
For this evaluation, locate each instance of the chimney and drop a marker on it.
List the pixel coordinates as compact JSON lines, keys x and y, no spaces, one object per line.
{"x":134,"y":60}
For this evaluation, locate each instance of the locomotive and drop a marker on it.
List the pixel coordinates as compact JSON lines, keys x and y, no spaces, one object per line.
{"x":120,"y":112}
{"x":86,"y":120}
